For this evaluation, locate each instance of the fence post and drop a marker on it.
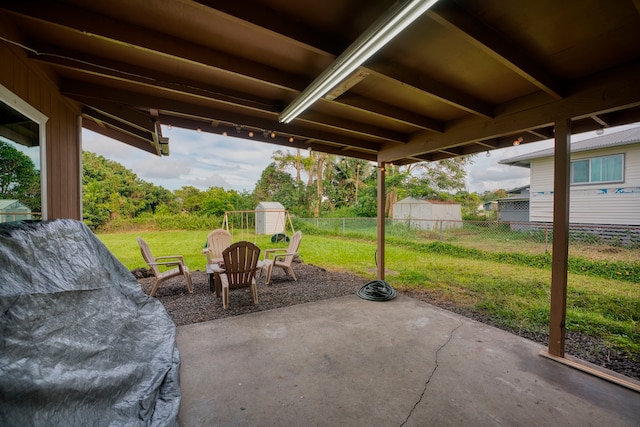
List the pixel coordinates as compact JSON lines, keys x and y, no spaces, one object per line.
{"x":343,"y":226}
{"x":441,"y":230}
{"x":546,"y":239}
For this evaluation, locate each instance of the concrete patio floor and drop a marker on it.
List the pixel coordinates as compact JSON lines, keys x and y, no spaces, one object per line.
{"x":351,"y":362}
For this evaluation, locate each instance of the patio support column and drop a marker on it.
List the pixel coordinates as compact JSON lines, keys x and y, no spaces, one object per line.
{"x":381,"y":219}
{"x":559,"y":261}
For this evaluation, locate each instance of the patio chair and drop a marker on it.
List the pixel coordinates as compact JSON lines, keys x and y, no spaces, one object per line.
{"x":240,"y":268}
{"x":282,"y":257}
{"x":154,"y":263}
{"x":217,"y":241}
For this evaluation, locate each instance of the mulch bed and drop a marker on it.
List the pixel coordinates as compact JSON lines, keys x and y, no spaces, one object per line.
{"x":316,"y":283}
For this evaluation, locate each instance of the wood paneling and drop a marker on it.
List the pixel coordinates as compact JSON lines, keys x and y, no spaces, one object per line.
{"x":23,"y":77}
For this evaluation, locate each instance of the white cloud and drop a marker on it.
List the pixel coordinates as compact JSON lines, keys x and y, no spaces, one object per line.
{"x":205,"y":160}
{"x":196,"y":159}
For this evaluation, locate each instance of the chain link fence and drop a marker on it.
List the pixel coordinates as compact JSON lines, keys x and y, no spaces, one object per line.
{"x":592,"y":241}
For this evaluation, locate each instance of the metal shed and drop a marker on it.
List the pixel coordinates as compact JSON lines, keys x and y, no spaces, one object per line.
{"x":270,"y":218}
{"x":428,"y":214}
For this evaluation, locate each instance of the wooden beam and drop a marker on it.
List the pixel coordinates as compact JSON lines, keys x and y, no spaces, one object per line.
{"x":133,"y":118}
{"x":560,"y":256}
{"x":281,"y":138}
{"x":596,"y":371}
{"x":115,"y":70}
{"x":610,"y":91}
{"x":115,"y":123}
{"x":89,"y":24}
{"x":381,"y":219}
{"x":82,"y":91}
{"x":124,"y":138}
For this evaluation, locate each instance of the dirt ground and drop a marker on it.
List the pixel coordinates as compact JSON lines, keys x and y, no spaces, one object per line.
{"x":315,"y":284}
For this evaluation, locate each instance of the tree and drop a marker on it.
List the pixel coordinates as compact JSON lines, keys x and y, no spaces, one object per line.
{"x":189,"y":198}
{"x":109,"y":191}
{"x":19,"y":178}
{"x":275,"y":185}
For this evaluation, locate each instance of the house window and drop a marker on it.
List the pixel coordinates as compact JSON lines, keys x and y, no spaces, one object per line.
{"x":598,"y":169}
{"x":22,"y":159}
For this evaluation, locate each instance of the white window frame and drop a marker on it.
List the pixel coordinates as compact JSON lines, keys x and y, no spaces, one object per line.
{"x":590,"y":159}
{"x":27,"y":110}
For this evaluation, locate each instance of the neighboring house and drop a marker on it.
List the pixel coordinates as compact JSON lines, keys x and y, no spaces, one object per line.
{"x":428,"y":214}
{"x":491,"y":205}
{"x":515,"y":207}
{"x":13,"y":210}
{"x":605,"y":180}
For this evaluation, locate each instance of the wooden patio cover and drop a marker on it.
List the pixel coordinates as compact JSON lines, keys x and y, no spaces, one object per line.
{"x":466,"y":77}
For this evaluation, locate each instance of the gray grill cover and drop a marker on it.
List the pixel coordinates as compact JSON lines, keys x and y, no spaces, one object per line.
{"x":80,"y":343}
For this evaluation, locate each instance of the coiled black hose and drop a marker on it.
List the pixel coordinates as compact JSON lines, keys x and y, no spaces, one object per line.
{"x":377,"y":290}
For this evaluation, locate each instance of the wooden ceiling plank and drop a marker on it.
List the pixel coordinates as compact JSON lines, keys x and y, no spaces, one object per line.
{"x":352,"y":126}
{"x":455,"y":18}
{"x":153,"y":78}
{"x":612,"y":90}
{"x":94,"y":25}
{"x":301,"y":33}
{"x":391,"y":112}
{"x":122,"y":72}
{"x":431,"y":88}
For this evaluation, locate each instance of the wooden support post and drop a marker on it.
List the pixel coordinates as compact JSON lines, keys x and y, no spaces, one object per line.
{"x":381,"y":219}
{"x":561,"y":168}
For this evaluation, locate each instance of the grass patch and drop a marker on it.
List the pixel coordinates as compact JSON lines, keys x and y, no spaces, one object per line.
{"x":514,"y":289}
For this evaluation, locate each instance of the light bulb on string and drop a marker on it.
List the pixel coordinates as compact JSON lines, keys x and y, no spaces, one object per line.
{"x":488,"y":153}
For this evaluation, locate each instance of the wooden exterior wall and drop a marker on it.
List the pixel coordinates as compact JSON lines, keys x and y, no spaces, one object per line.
{"x":607,"y":203}
{"x":63,"y":131}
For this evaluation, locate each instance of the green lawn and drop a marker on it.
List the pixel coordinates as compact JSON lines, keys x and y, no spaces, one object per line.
{"x":516,"y":296}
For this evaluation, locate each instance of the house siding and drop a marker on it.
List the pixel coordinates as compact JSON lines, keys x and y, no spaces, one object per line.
{"x":25,"y":79}
{"x":609,"y":203}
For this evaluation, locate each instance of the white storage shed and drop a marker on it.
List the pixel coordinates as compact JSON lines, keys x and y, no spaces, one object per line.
{"x":428,"y":214}
{"x":270,"y":218}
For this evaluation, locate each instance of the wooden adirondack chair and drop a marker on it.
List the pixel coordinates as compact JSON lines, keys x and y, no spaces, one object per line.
{"x":282,"y":257}
{"x":217,"y":241}
{"x":240,"y":269}
{"x":154,"y":263}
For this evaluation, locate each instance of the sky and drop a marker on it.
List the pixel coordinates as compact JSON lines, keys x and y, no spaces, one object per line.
{"x":204,"y":160}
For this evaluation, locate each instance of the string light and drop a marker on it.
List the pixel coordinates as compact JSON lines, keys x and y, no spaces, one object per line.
{"x":250,"y":134}
{"x":273,"y":134}
{"x":290,"y":139}
{"x":198,"y":130}
{"x":488,"y":153}
{"x":224,"y":133}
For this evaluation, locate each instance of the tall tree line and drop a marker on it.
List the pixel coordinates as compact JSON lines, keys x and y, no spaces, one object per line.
{"x":310,"y":185}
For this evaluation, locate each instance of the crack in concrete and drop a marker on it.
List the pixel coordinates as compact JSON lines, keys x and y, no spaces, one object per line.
{"x":424,"y":390}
